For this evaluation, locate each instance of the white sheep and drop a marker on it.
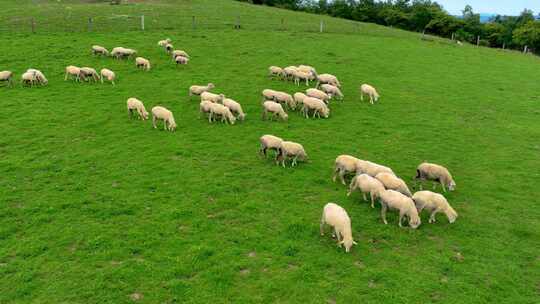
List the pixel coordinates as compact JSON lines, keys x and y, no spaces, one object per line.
{"x":121,"y":52}
{"x":369,"y":91}
{"x":163,"y":43}
{"x":299,"y":98}
{"x":217,"y":109}
{"x":169,"y":48}
{"x":435,"y":173}
{"x":39,"y":77}
{"x":289,"y":72}
{"x":99,"y":50}
{"x":177,"y":53}
{"x":204,"y":107}
{"x":434,"y":203}
{"x":284,"y":98}
{"x":161,"y":113}
{"x":269,"y":94}
{"x":235,"y":107}
{"x":90,"y":73}
{"x":216,"y":98}
{"x":344,"y":164}
{"x":28,"y":78}
{"x":73,"y":71}
{"x":332,"y":91}
{"x":300,"y":76}
{"x":308,"y":69}
{"x":336,"y":217}
{"x":181,"y":60}
{"x":199,"y":89}
{"x":392,"y":182}
{"x":366,"y":184}
{"x":318,"y":106}
{"x":328,"y":79}
{"x":289,"y":149}
{"x":318,"y":94}
{"x":110,"y":75}
{"x":269,"y":142}
{"x":394,"y":200}
{"x":143,"y":63}
{"x":276,"y":71}
{"x":6,"y":76}
{"x":133,"y":104}
{"x":371,"y":168}
{"x":274,"y":108}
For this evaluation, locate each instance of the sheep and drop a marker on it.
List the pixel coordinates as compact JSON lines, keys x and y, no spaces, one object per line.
{"x":317,"y":105}
{"x":318,"y":94}
{"x":181,"y":60}
{"x":268,"y":94}
{"x":161,"y":113}
{"x":336,"y":217}
{"x":199,"y":89}
{"x":369,"y":91}
{"x":328,"y":79}
{"x":288,"y":149}
{"x":223,"y":111}
{"x":434,"y":203}
{"x":344,"y":164}
{"x":99,"y":50}
{"x":435,"y":173}
{"x":235,"y":107}
{"x":163,"y":43}
{"x":89,"y":73}
{"x":366,"y":184}
{"x":39,"y":77}
{"x":28,"y":78}
{"x":121,"y":52}
{"x":212,"y":97}
{"x":332,"y":91}
{"x":143,"y":63}
{"x":284,"y":98}
{"x":392,"y":182}
{"x":73,"y":71}
{"x":308,"y":69}
{"x":106,"y":73}
{"x":299,"y":98}
{"x":289,"y":72}
{"x":133,"y":104}
{"x":204,"y":107}
{"x":169,"y":48}
{"x":269,"y":142}
{"x":370,"y":168}
{"x":301,"y":76}
{"x":394,"y":200}
{"x":276,"y":71}
{"x":177,"y":53}
{"x":274,"y":108}
{"x":7,"y":76}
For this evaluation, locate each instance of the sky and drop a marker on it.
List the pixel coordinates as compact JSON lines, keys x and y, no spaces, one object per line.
{"x":503,"y":7}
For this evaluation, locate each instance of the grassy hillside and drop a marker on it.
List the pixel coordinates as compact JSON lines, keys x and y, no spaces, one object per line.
{"x":97,"y":208}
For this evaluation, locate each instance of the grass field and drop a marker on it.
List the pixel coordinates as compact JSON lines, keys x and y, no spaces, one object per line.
{"x":97,"y":208}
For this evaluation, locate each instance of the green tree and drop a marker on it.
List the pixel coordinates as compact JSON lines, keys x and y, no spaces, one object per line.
{"x":529,"y":35}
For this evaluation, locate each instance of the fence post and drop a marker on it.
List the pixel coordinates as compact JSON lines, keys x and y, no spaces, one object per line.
{"x":193,"y":24}
{"x":142,"y":22}
{"x":90,"y":24}
{"x":33,"y":24}
{"x":525,"y":49}
{"x":321,"y":27}
{"x":423,"y":34}
{"x":478,"y":40}
{"x":453,"y":36}
{"x":504,"y":45}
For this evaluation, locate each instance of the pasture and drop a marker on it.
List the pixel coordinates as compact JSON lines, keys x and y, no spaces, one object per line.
{"x":98,"y":208}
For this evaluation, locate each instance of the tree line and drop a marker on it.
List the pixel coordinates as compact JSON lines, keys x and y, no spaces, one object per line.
{"x":511,"y":32}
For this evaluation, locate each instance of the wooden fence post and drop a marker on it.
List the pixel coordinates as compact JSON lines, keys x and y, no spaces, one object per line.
{"x":142,"y":22}
{"x":90,"y":24}
{"x":321,"y":26}
{"x":453,"y":36}
{"x":525,"y":49}
{"x":423,"y":34}
{"x":504,"y":45}
{"x":478,"y":40}
{"x":193,"y":24}
{"x":33,"y":24}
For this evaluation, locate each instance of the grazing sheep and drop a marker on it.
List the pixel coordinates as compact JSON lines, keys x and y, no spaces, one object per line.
{"x":308,"y":69}
{"x":121,"y":52}
{"x":434,"y":203}
{"x":177,"y":53}
{"x":276,"y":71}
{"x":73,"y":71}
{"x":7,"y":76}
{"x":274,"y":108}
{"x":289,"y":72}
{"x":204,"y":107}
{"x":370,"y":168}
{"x":99,"y":50}
{"x":143,"y":63}
{"x":336,"y":217}
{"x":344,"y":164}
{"x":301,"y":76}
{"x":133,"y":104}
{"x":235,"y":107}
{"x":270,"y":142}
{"x":369,"y":91}
{"x":366,"y":184}
{"x":89,"y":73}
{"x":161,"y":113}
{"x":268,"y":94}
{"x":163,"y":43}
{"x":299,"y":98}
{"x":169,"y":48}
{"x":318,"y":94}
{"x":328,"y":79}
{"x":332,"y":91}
{"x":217,"y":109}
{"x":199,"y":89}
{"x":216,"y":98}
{"x":394,"y":200}
{"x":284,"y":98}
{"x":288,"y":149}
{"x":28,"y":78}
{"x":392,"y":182}
{"x":181,"y":60}
{"x":435,"y":173}
{"x":39,"y":77}
{"x":318,"y":106}
{"x":106,"y":73}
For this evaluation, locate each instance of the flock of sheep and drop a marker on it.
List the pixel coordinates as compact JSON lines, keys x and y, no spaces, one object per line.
{"x":379,"y":181}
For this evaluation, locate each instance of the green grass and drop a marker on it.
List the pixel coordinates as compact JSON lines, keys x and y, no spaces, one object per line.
{"x":95,"y":207}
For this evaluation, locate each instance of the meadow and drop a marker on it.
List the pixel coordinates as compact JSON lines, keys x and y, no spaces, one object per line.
{"x":98,"y":208}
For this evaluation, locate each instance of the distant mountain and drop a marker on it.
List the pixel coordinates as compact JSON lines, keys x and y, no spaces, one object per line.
{"x":486,"y":17}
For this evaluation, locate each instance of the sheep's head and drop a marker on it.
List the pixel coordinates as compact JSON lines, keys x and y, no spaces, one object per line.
{"x":414,"y":220}
{"x":210,"y":86}
{"x":232,"y":119}
{"x":348,"y":243}
{"x":221,"y":97}
{"x":172,"y":125}
{"x":242,"y":116}
{"x":451,"y":214}
{"x":326,"y":112}
{"x":452,"y":186}
{"x":284,"y":115}
{"x":145,"y":114}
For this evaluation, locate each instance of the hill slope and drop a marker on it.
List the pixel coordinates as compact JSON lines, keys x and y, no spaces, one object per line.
{"x":97,"y":208}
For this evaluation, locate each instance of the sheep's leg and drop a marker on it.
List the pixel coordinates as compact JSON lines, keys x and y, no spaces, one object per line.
{"x":154,"y":122}
{"x":294,"y":160}
{"x":361,"y":96}
{"x":321,"y":226}
{"x":364,"y":196}
{"x":434,"y":185}
{"x":372,"y":200}
{"x":165,"y":127}
{"x":101,"y":78}
{"x":65,"y":76}
{"x":342,"y":175}
{"x":443,"y":187}
{"x":352,"y":187}
{"x":432,"y":216}
{"x":383,"y":213}
{"x":210,"y":117}
{"x":130,"y":114}
{"x":401,"y":214}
